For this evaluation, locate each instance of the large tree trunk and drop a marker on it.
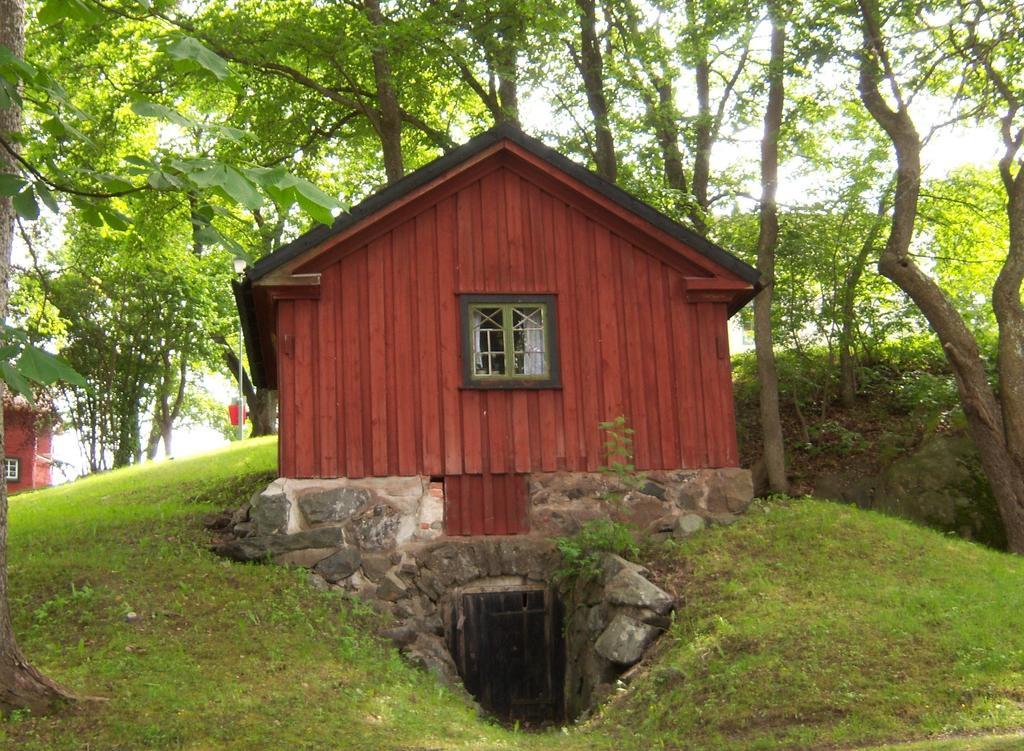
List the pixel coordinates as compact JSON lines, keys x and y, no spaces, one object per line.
{"x":389,"y":119}
{"x":984,"y":415}
{"x":590,"y":64}
{"x":21,"y":685}
{"x":510,"y":27}
{"x":771,"y":425}
{"x":261,"y":403}
{"x":1006,"y":297}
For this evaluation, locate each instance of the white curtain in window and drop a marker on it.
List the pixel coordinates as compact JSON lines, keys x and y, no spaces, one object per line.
{"x":533,"y":360}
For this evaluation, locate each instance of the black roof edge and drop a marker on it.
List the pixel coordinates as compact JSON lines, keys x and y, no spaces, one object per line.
{"x":453,"y":158}
{"x":247,"y":316}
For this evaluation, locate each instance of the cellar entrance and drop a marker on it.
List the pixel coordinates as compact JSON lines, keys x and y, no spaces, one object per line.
{"x":508,"y":645}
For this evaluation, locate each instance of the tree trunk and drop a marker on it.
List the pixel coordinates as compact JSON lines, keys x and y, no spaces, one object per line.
{"x":1006,"y":299}
{"x":389,"y":120}
{"x":591,"y":67}
{"x":261,"y":403}
{"x":981,"y":408}
{"x":263,"y":411}
{"x":505,"y":66}
{"x":21,"y":685}
{"x":848,"y":313}
{"x":771,"y":424}
{"x":702,"y":141}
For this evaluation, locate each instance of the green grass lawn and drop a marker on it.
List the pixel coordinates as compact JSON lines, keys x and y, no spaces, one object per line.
{"x":805,"y":625}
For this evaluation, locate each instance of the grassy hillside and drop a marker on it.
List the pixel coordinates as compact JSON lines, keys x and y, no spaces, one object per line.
{"x":806,"y":625}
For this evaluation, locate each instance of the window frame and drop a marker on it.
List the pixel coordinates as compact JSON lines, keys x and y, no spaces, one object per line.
{"x":17,"y":469}
{"x":470,"y":380}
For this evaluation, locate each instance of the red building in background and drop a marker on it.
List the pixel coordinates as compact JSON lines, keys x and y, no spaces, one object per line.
{"x":28,"y":444}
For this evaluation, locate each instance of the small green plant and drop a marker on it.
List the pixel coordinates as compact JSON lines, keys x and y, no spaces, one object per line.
{"x":581,"y":553}
{"x":618,"y":450}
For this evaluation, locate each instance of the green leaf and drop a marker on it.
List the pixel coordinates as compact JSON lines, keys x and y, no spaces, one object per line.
{"x":90,"y":215}
{"x":42,"y":367}
{"x":10,"y":61}
{"x":25,"y":204}
{"x":270,"y":177}
{"x":146,"y":108}
{"x":111,"y":182}
{"x":315,"y":202}
{"x":187,"y":48}
{"x":75,"y":10}
{"x":15,"y":380}
{"x":161,"y":180}
{"x":11,"y":185}
{"x":115,"y":219}
{"x":47,"y":197}
{"x":239,"y":188}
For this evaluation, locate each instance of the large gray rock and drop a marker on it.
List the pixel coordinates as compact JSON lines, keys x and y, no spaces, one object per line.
{"x":730,"y":490}
{"x":332,"y":506}
{"x":377,"y":527}
{"x":624,"y":640}
{"x":430,"y":653}
{"x":269,"y":513}
{"x":629,"y":589}
{"x":453,"y":563}
{"x":942,"y":485}
{"x":263,"y":547}
{"x":688,"y":525}
{"x":341,"y":565}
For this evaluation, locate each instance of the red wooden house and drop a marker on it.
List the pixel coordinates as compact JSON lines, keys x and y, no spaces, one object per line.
{"x":28,"y":444}
{"x":478,"y":319}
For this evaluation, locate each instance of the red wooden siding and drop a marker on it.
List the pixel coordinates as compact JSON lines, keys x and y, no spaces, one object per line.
{"x":485,"y":505}
{"x":28,"y":437}
{"x":370,"y":374}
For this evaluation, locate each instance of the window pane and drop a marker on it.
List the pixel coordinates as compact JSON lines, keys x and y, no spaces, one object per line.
{"x":488,"y":341}
{"x":528,"y":339}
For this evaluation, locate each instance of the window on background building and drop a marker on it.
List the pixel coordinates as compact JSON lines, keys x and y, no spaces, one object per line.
{"x":12,"y":469}
{"x":509,"y":341}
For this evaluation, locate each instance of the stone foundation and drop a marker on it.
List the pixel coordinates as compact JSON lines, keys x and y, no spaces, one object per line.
{"x":382,"y":540}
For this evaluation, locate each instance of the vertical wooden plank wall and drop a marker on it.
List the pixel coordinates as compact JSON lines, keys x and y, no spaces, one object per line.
{"x":370,"y":378}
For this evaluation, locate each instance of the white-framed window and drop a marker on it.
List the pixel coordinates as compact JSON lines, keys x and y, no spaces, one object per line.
{"x":12,"y":469}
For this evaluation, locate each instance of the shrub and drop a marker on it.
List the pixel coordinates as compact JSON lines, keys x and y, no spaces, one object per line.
{"x":581,"y":553}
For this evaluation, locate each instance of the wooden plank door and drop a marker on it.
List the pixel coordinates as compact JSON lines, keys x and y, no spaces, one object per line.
{"x":509,"y":649}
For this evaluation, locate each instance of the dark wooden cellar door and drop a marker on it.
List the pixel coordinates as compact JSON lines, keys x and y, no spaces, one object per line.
{"x":509,"y":649}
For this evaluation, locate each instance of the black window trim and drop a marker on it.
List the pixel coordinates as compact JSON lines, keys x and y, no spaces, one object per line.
{"x":469,"y":381}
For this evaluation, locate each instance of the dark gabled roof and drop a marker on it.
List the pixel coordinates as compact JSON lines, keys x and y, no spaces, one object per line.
{"x":452,"y":159}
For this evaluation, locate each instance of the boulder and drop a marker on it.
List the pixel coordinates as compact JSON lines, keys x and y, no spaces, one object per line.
{"x":269,"y":513}
{"x":306,"y":558}
{"x":392,"y":587}
{"x":453,"y":563}
{"x":624,"y":640}
{"x":262,"y":547}
{"x":333,"y":505}
{"x":341,"y":565}
{"x":628,"y":588}
{"x":430,"y":653}
{"x":375,"y":565}
{"x":730,"y":490}
{"x":942,"y":485}
{"x":688,"y":525}
{"x":377,"y":527}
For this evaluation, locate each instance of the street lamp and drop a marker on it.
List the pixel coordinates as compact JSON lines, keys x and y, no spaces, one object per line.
{"x":239,"y":266}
